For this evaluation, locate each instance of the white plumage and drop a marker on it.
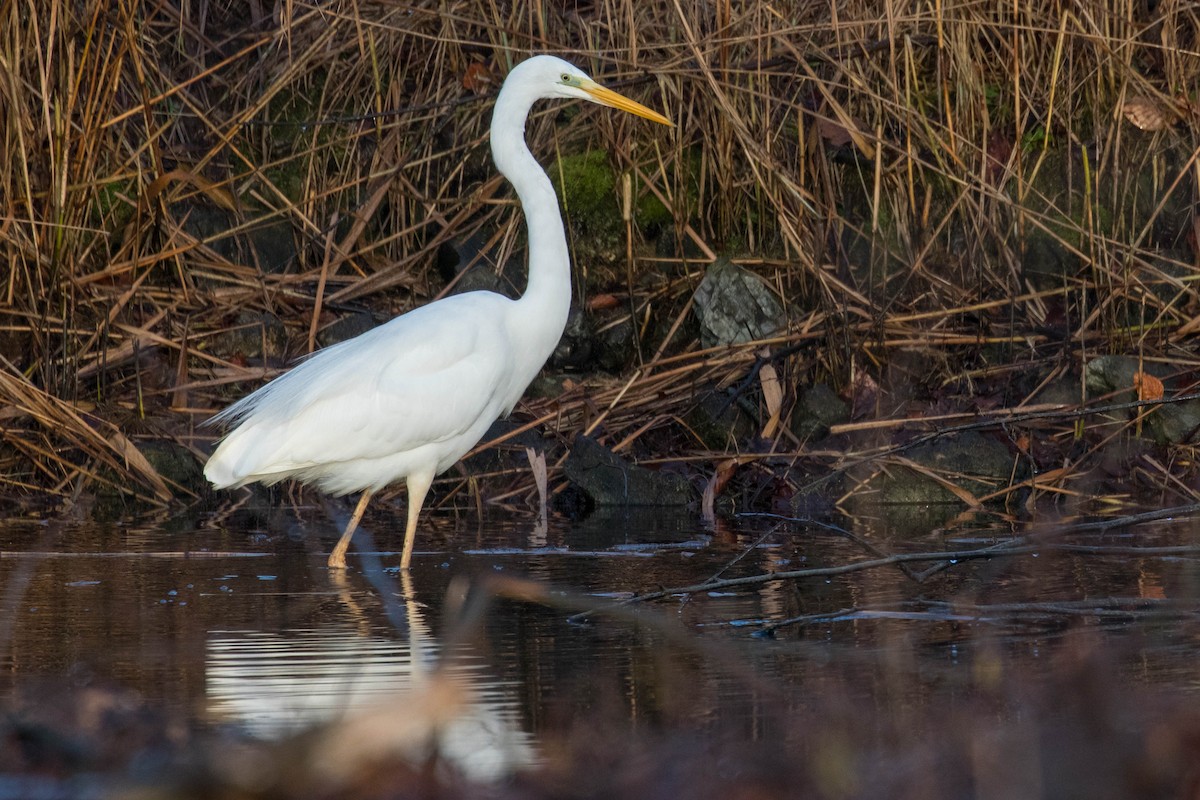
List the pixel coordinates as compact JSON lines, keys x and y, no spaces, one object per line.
{"x":408,"y":399}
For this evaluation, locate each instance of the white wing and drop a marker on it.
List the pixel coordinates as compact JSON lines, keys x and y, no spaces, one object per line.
{"x":426,"y":378}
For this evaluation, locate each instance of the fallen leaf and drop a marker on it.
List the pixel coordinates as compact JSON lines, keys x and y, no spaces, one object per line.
{"x":218,"y":194}
{"x":835,"y":134}
{"x":861,"y":393}
{"x":477,"y":78}
{"x":602,"y":302}
{"x":715,"y":486}
{"x":999,"y":152}
{"x":1148,"y":387}
{"x":1148,"y":114}
{"x":772,"y":391}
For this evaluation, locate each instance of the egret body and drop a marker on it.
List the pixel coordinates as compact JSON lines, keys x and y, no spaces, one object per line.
{"x":409,"y":398}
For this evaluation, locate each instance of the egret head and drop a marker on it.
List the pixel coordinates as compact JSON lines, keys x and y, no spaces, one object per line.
{"x":558,"y":78}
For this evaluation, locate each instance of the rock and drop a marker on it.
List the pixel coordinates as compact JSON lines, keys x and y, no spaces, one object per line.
{"x":733,"y":305}
{"x":344,"y":328}
{"x":819,"y":407}
{"x":673,"y":243}
{"x":1171,"y":423}
{"x":589,"y":343}
{"x":575,"y":348}
{"x":609,"y":527}
{"x":611,"y":481}
{"x":817,"y":491}
{"x":1175,"y":423}
{"x":1049,"y":252}
{"x":473,"y":257}
{"x":978,"y":464}
{"x":615,"y":346}
{"x":1064,"y":390}
{"x":915,"y":521}
{"x":587,"y":186}
{"x":253,"y":336}
{"x":273,"y":243}
{"x":511,"y":454}
{"x":1114,"y":375}
{"x":174,"y":462}
{"x":719,"y":422}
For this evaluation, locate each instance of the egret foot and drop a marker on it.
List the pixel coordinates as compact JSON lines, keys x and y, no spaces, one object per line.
{"x":337,"y":559}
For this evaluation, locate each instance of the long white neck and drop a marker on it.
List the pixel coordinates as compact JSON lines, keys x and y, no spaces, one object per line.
{"x":548,"y":292}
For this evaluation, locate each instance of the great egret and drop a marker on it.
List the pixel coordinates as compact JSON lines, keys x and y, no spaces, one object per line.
{"x":409,"y":398}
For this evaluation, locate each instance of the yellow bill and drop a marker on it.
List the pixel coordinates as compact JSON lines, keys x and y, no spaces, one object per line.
{"x":613,"y":99}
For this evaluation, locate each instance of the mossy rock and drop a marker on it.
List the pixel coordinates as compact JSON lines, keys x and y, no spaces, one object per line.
{"x":734,"y":305}
{"x":975,"y":463}
{"x":1074,"y":202}
{"x":873,"y":241}
{"x":719,"y":423}
{"x":590,"y":193}
{"x":1068,"y":216}
{"x":1116,"y":376}
{"x":113,"y":205}
{"x":175,"y":463}
{"x":818,"y":408}
{"x":610,"y":480}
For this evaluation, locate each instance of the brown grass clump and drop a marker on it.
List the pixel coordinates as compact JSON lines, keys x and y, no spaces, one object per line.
{"x":959,"y":204}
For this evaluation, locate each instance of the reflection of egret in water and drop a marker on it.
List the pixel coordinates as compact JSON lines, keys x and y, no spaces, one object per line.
{"x":385,"y":697}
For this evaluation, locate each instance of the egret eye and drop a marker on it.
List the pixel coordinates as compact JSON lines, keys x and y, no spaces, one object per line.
{"x":565,"y":78}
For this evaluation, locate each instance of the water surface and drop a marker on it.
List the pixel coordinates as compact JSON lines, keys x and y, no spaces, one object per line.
{"x":231,"y":618}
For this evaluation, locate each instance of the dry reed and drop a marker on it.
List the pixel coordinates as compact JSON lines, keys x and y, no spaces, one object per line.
{"x":954,"y":181}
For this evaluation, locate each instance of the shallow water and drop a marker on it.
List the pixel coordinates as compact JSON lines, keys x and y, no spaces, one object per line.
{"x":232,"y":618}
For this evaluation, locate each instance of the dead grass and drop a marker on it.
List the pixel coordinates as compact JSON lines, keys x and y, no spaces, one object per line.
{"x":954,"y":180}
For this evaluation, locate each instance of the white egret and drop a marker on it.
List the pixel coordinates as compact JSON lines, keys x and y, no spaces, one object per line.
{"x":409,"y":398}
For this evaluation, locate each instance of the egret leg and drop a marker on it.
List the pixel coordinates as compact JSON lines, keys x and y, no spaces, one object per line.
{"x":537,"y":464}
{"x":337,"y":559}
{"x":418,"y":486}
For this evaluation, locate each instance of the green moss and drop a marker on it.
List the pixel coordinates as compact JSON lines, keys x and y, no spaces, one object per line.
{"x":292,"y":143}
{"x":587,"y":186}
{"x":111,"y":205}
{"x":288,"y":178}
{"x":1070,"y":217}
{"x":586,"y":183}
{"x":650,"y":211}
